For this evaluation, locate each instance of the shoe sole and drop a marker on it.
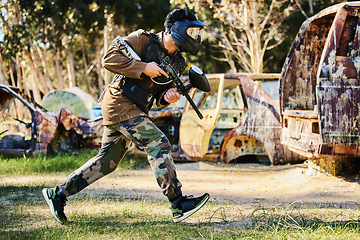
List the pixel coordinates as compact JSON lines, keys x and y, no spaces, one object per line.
{"x":189,"y":213}
{"x":50,"y":204}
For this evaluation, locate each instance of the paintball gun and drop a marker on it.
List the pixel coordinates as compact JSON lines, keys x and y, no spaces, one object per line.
{"x":197,"y":79}
{"x":196,"y":76}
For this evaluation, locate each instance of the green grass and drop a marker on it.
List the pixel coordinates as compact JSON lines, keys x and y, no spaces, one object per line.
{"x":121,"y":218}
{"x":64,"y":162}
{"x":25,"y":215}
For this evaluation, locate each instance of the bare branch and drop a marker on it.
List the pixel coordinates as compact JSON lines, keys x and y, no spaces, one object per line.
{"x":6,"y":24}
{"x":252,"y":28}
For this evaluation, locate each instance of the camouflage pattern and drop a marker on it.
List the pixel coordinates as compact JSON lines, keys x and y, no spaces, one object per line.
{"x":115,"y":143}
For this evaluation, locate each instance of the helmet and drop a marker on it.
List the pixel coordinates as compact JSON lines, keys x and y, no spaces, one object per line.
{"x":187,"y":35}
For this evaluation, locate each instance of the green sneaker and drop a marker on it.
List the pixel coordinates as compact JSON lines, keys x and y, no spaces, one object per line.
{"x":185,"y":206}
{"x":56,"y":204}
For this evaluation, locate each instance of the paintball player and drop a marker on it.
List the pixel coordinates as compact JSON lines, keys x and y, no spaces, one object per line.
{"x":127,"y":100}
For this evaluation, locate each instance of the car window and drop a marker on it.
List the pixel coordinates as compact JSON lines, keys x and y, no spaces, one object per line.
{"x":271,"y":88}
{"x":209,"y":102}
{"x":15,"y":120}
{"x":346,"y":46}
{"x":231,"y":99}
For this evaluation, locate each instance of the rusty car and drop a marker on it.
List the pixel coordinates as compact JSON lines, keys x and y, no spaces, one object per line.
{"x":28,"y":128}
{"x":241,"y":122}
{"x":320,"y":89}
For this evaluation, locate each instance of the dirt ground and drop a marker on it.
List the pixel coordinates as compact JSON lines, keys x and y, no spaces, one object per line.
{"x":241,"y":184}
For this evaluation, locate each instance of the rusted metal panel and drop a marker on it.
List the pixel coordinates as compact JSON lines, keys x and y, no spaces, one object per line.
{"x":82,"y":126}
{"x":301,"y":132}
{"x":339,"y":113}
{"x":320,"y":98}
{"x":298,"y":82}
{"x":237,"y":145}
{"x":262,"y":120}
{"x":44,"y":128}
{"x":338,"y":83}
{"x":46,"y":125}
{"x":260,"y":127}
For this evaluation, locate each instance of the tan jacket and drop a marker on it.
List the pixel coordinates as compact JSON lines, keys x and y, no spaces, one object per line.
{"x":115,"y":106}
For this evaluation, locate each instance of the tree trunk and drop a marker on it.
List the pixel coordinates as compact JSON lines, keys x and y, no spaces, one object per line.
{"x":25,"y":83}
{"x":36,"y":73}
{"x":87,"y":70}
{"x":19,"y":73}
{"x":71,"y":70}
{"x":39,"y":78}
{"x":2,"y":71}
{"x":98,"y":65}
{"x":58,"y":69}
{"x":70,"y":63}
{"x":107,"y":76}
{"x":11,"y":70}
{"x":88,"y":84}
{"x":311,"y":7}
{"x":256,"y":39}
{"x":35,"y":86}
{"x":57,"y":57}
{"x":42,"y":56}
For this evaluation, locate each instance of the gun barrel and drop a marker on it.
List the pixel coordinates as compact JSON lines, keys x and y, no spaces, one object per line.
{"x":183,"y":91}
{"x":194,"y":106}
{"x":166,"y":66}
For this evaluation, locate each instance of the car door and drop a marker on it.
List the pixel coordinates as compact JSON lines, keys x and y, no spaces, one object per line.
{"x":195,"y":133}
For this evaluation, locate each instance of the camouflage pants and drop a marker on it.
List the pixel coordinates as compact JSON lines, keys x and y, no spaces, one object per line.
{"x":115,"y":143}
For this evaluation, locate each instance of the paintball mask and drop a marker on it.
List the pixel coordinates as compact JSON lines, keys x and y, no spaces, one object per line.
{"x":187,"y":35}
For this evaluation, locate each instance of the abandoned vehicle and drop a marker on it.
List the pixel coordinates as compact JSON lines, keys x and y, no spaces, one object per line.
{"x":320,"y":89}
{"x":240,"y":120}
{"x":26,"y":127}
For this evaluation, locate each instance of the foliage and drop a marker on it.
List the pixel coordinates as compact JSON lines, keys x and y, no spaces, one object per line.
{"x":253,"y":36}
{"x":54,"y":44}
{"x":58,"y":43}
{"x":244,"y":30}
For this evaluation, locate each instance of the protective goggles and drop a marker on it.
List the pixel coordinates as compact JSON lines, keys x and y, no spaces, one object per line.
{"x":194,"y":32}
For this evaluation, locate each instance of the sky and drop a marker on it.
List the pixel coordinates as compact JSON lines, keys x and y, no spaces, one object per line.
{"x":3,"y":2}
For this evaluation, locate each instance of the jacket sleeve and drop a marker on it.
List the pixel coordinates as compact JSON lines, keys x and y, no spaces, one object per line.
{"x":160,"y":101}
{"x":116,"y":62}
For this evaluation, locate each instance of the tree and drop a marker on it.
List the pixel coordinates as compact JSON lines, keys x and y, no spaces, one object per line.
{"x":244,"y":29}
{"x":18,"y":44}
{"x":54,"y":44}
